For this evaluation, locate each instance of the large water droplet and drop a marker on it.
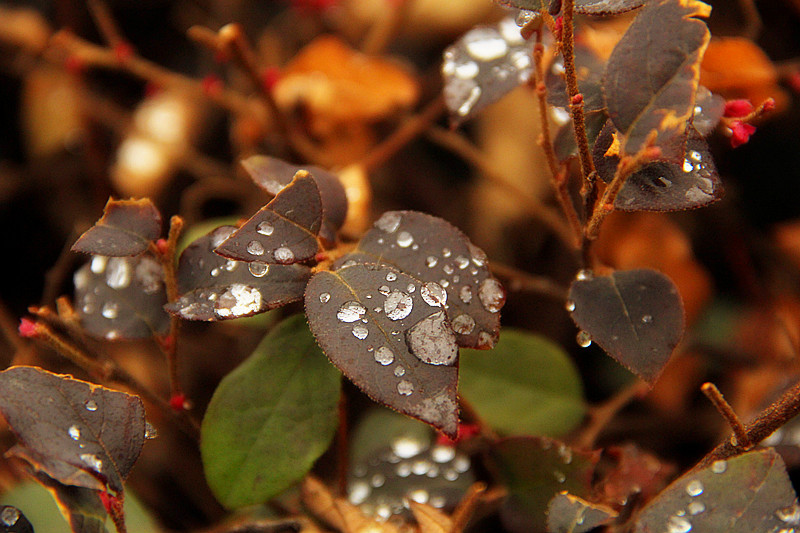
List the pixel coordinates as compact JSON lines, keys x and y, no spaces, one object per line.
{"x":258,"y":269}
{"x":463,"y":324}
{"x":91,"y":405}
{"x":98,"y":264}
{"x":433,"y":294}
{"x":790,"y":515}
{"x":9,"y":516}
{"x":350,"y":311}
{"x":678,"y":524}
{"x":583,"y":339}
{"x":74,"y":432}
{"x":360,"y":332}
{"x":110,"y":310}
{"x":407,"y":447}
{"x":238,"y":300}
{"x":694,"y":488}
{"x":384,"y":355}
{"x":485,"y":44}
{"x":283,"y":255}
{"x":118,"y":273}
{"x":358,"y":492}
{"x":398,"y":305}
{"x":419,"y":495}
{"x":432,"y":341}
{"x":92,"y":461}
{"x":389,"y":222}
{"x":405,"y":388}
{"x":492,"y":295}
{"x":404,"y":239}
{"x":255,"y":248}
{"x":265,"y":228}
{"x":443,"y":454}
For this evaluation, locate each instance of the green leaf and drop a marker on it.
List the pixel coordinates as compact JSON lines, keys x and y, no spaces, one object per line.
{"x":270,"y":418}
{"x":527,"y":385}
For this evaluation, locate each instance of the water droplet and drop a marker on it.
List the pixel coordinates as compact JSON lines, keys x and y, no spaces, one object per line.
{"x":790,"y":515}
{"x":450,"y":474}
{"x":492,"y":295}
{"x":283,"y":255}
{"x":465,"y":294}
{"x":570,"y":306}
{"x":431,"y":261}
{"x":407,"y":447}
{"x":351,"y":311}
{"x":421,"y":467}
{"x":560,"y":476}
{"x":403,"y":470}
{"x":646,"y":319}
{"x":389,"y":222}
{"x":358,"y":492}
{"x":678,"y":524}
{"x":238,"y":300}
{"x":719,"y":467}
{"x":391,"y":276}
{"x":265,"y":228}
{"x":583,"y":339}
{"x":463,"y":324}
{"x":255,"y":248}
{"x":118,"y":273}
{"x":565,"y":453}
{"x":663,"y":182}
{"x":432,"y":341}
{"x":383,"y":511}
{"x":444,"y":283}
{"x":405,"y":388}
{"x":10,"y":515}
{"x":74,"y":432}
{"x":443,"y":454}
{"x":325,"y":298}
{"x":471,"y":100}
{"x":150,"y":432}
{"x":461,"y":463}
{"x":92,"y":461}
{"x":98,"y":264}
{"x":404,"y":239}
{"x":584,"y":275}
{"x":695,"y":155}
{"x":377,"y":480}
{"x":110,"y":310}
{"x":438,"y":501}
{"x":360,"y":332}
{"x":214,"y":272}
{"x":90,"y":405}
{"x":399,"y":371}
{"x":694,"y":488}
{"x":695,"y":508}
{"x":258,"y":269}
{"x":230,"y":265}
{"x":384,"y":355}
{"x":524,"y":16}
{"x":687,"y":166}
{"x":467,"y":70}
{"x":433,"y":294}
{"x":485,"y":44}
{"x":398,"y":305}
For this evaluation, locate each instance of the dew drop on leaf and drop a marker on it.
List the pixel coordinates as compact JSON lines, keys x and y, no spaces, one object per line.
{"x":432,"y":341}
{"x":570,"y":306}
{"x":407,"y":447}
{"x":389,"y":222}
{"x":431,"y":261}
{"x":324,"y":297}
{"x":91,"y":405}
{"x":694,"y":488}
{"x":360,"y":332}
{"x":74,"y":432}
{"x":433,"y":294}
{"x":384,"y":355}
{"x":404,"y":239}
{"x":118,"y":273}
{"x":584,"y":275}
{"x":398,"y":305}
{"x":719,"y":467}
{"x":349,"y":311}
{"x":405,"y":388}
{"x":264,"y":228}
{"x":258,"y":269}
{"x":492,"y":295}
{"x":583,"y":339}
{"x":92,"y":461}
{"x":463,"y":324}
{"x":110,"y":310}
{"x":358,"y":492}
{"x":284,"y":255}
{"x":391,"y":276}
{"x":9,"y":516}
{"x":419,"y":495}
{"x":98,"y":264}
{"x":399,"y":371}
{"x":678,"y":524}
{"x":647,"y":319}
{"x":255,"y":248}
{"x":695,"y":508}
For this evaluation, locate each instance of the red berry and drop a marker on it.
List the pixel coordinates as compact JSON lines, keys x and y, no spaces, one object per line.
{"x":768,"y":105}
{"x":178,"y":402}
{"x":738,"y":108}
{"x":741,"y":132}
{"x":559,"y":27}
{"x":577,"y":99}
{"x":27,"y":328}
{"x":161,"y":244}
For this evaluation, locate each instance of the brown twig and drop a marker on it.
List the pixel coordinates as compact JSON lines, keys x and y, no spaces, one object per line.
{"x":105,"y":23}
{"x":466,"y":507}
{"x":715,"y":396}
{"x":601,"y":415}
{"x":520,"y":281}
{"x":385,"y":28}
{"x":753,"y":23}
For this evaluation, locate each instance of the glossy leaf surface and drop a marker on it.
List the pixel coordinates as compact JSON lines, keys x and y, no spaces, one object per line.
{"x":750,"y":492}
{"x":389,"y":334}
{"x":535,"y":469}
{"x":484,"y":65}
{"x":663,"y":185}
{"x":282,"y":232}
{"x":271,"y":418}
{"x":434,"y":251}
{"x":126,"y":228}
{"x":527,"y":385}
{"x":121,"y":297}
{"x":636,"y":316}
{"x":214,"y":288}
{"x":653,"y":73}
{"x":68,"y":428}
{"x":708,"y":110}
{"x":13,"y":521}
{"x":570,"y":514}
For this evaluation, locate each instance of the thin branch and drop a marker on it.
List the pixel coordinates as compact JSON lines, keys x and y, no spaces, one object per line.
{"x":715,"y":396}
{"x":105,"y":23}
{"x":753,"y":23}
{"x":601,"y":415}
{"x":384,"y":29}
{"x":520,"y":281}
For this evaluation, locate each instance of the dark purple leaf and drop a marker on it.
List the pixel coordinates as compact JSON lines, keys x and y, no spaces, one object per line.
{"x":636,"y":316}
{"x":708,"y":110}
{"x":282,"y":232}
{"x":606,"y":7}
{"x":535,"y":469}
{"x":121,"y":297}
{"x":214,"y":288}
{"x":564,"y":142}
{"x":273,"y":174}
{"x":589,"y":70}
{"x":389,"y":334}
{"x":747,"y":493}
{"x":13,"y":521}
{"x":529,"y":5}
{"x":653,"y":72}
{"x":63,"y":420}
{"x":126,"y":228}
{"x":663,"y":185}
{"x":570,"y":514}
{"x":483,"y":66}
{"x":82,"y":508}
{"x":434,"y":251}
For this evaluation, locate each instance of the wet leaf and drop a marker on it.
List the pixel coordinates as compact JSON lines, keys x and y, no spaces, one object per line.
{"x":589,"y":70}
{"x":68,"y":427}
{"x":747,"y":493}
{"x":636,"y":316}
{"x":530,"y":5}
{"x":570,"y":514}
{"x":253,"y":446}
{"x":663,"y":185}
{"x":708,"y":110}
{"x":12,"y":520}
{"x":564,"y":142}
{"x":652,"y":74}
{"x":389,"y":335}
{"x":282,"y":232}
{"x":81,"y":507}
{"x":606,"y":7}
{"x":526,"y":386}
{"x":126,"y":228}
{"x":535,"y":469}
{"x":214,"y":288}
{"x":632,"y":472}
{"x":273,"y":174}
{"x":433,"y":251}
{"x":484,"y":65}
{"x":121,"y":297}
{"x":338,"y":512}
{"x":379,"y":427}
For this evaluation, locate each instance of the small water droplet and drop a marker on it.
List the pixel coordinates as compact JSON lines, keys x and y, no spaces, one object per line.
{"x":790,"y":515}
{"x":384,"y":355}
{"x":570,"y":306}
{"x":377,"y":480}
{"x":695,"y":155}
{"x":404,"y":239}
{"x":433,"y":294}
{"x":467,"y":70}
{"x":583,"y":339}
{"x":110,"y":310}
{"x":463,"y":324}
{"x":92,"y":461}
{"x":265,"y":228}
{"x":391,"y":276}
{"x":399,"y":371}
{"x":255,"y":248}
{"x":678,"y":524}
{"x":419,"y":495}
{"x":407,"y":447}
{"x":150,"y":431}
{"x":118,"y":273}
{"x":358,"y":492}
{"x":405,"y":388}
{"x":283,"y":255}
{"x":663,"y":182}
{"x":448,"y":269}
{"x":446,"y":252}
{"x":403,"y":470}
{"x":450,"y":474}
{"x":389,"y":222}
{"x":258,"y":269}
{"x":360,"y":332}
{"x":492,"y":295}
{"x":325,"y":298}
{"x":719,"y":467}
{"x":565,"y":453}
{"x":9,"y":516}
{"x":74,"y":432}
{"x":90,"y":405}
{"x":694,"y":488}
{"x":687,"y":166}
{"x":230,"y":265}
{"x":398,"y":305}
{"x":584,"y":275}
{"x":465,"y":294}
{"x":560,"y":476}
{"x":646,"y":319}
{"x":461,"y":463}
{"x":421,"y":467}
{"x":215,"y":272}
{"x":695,"y":508}
{"x":524,"y":16}
{"x":351,"y":311}
{"x":443,"y":454}
{"x":98,"y":264}
{"x":431,"y":261}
